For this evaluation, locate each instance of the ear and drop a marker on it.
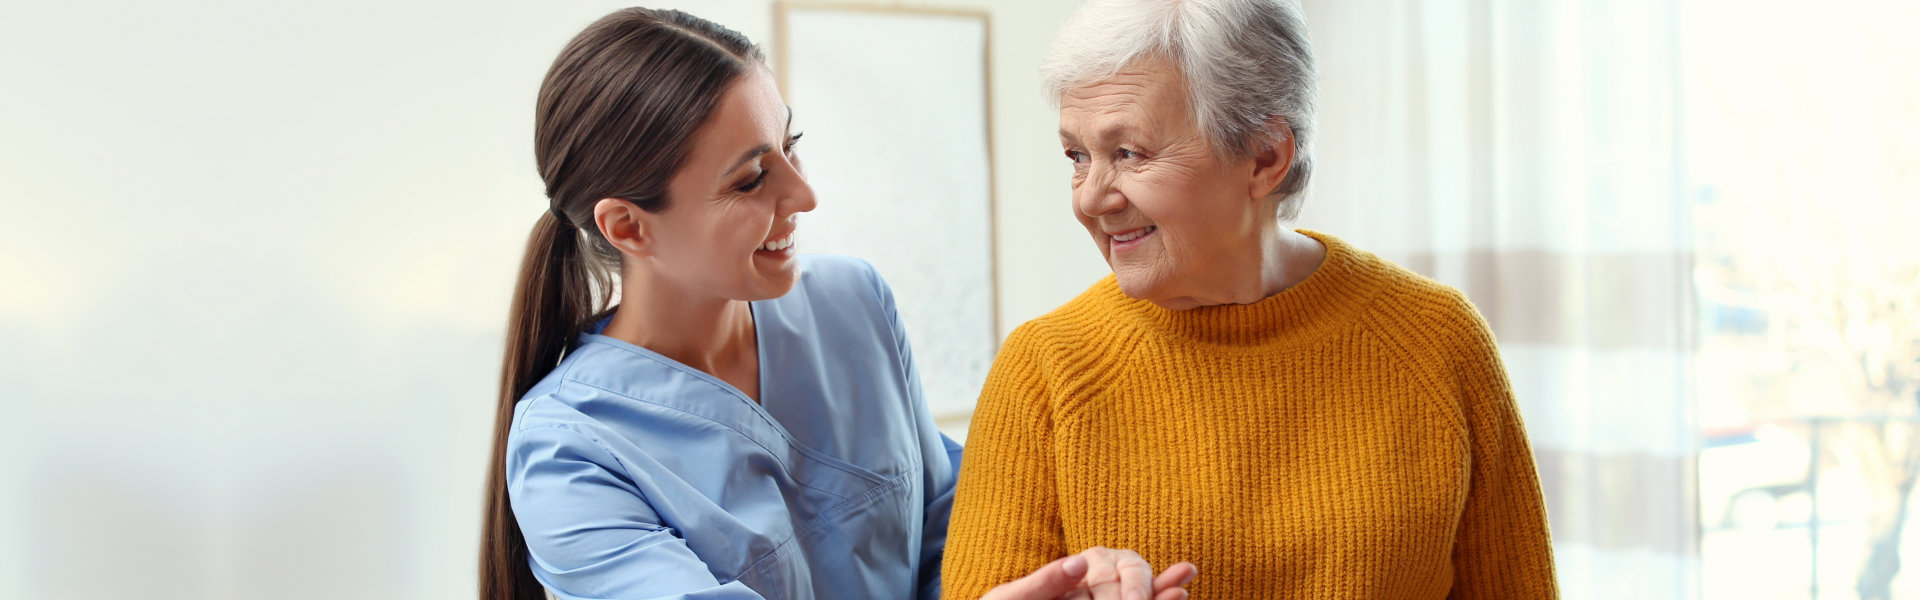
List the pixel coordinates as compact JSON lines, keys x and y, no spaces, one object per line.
{"x":628,"y":228}
{"x":1272,"y":160}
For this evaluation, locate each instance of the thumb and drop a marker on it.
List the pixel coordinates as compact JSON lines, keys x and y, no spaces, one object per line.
{"x":1047,"y":583}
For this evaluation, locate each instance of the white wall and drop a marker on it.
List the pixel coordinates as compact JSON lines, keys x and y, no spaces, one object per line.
{"x":254,"y":265}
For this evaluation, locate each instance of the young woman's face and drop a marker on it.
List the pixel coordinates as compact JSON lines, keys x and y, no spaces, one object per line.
{"x":729,"y":224}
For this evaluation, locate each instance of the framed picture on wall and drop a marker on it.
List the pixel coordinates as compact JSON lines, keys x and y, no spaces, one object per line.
{"x":893,"y":102}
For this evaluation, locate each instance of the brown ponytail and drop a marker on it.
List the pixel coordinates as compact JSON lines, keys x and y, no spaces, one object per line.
{"x":614,"y":119}
{"x":553,"y":299}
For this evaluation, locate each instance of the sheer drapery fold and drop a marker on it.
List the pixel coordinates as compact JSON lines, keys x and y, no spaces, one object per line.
{"x":1526,"y":152}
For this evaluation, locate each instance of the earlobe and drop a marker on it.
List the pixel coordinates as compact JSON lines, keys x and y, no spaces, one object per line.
{"x":624,"y":225}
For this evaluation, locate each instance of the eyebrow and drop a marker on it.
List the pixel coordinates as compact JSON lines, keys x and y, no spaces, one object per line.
{"x":1105,"y":133}
{"x":757,"y":151}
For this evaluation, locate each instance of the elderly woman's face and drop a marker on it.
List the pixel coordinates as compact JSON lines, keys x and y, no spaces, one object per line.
{"x":1170,"y":215}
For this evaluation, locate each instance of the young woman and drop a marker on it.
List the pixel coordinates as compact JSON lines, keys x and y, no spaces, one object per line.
{"x":746,"y":423}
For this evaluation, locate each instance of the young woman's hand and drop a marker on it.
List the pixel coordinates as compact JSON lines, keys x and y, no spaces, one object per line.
{"x":1099,"y":574}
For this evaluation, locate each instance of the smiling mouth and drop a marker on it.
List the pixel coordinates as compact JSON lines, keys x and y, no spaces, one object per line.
{"x":778,"y":245}
{"x":1129,"y":236}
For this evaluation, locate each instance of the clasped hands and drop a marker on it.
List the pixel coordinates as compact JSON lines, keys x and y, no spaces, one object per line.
{"x":1099,"y":574}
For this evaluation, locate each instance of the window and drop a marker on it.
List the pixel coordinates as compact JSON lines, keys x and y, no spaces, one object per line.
{"x":1803,"y":168}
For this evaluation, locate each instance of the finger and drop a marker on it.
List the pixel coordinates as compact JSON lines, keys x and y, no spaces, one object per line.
{"x":1177,"y":576}
{"x":1136,"y":576}
{"x":1047,"y":583}
{"x":1103,"y":573}
{"x":1172,"y":594}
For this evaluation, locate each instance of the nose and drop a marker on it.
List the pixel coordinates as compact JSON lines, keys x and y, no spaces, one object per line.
{"x":799,"y":196}
{"x":1095,"y":195}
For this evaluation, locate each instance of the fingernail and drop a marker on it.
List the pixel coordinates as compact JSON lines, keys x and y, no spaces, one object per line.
{"x":1075,"y":566}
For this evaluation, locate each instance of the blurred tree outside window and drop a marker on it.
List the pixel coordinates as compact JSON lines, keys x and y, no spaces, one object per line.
{"x":1802,"y":149}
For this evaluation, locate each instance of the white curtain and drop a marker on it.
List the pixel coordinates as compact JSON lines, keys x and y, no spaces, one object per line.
{"x":1525,"y":151}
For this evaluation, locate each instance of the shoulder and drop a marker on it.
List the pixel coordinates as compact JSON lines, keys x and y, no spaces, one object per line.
{"x":834,"y":271}
{"x":839,"y":299}
{"x":590,"y":394}
{"x":1433,"y":324}
{"x":832,"y":288}
{"x":547,"y":428}
{"x":1086,"y":334}
{"x":1087,"y":316}
{"x":1417,"y":309}
{"x":548,"y":409}
{"x":841,"y":279}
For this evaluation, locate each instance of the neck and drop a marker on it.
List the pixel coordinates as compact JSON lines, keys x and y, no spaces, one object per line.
{"x":1282,"y":259}
{"x":703,"y":332}
{"x":1288,"y":257}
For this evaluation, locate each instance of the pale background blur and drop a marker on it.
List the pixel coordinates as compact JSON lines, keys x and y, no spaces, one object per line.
{"x":255,"y":260}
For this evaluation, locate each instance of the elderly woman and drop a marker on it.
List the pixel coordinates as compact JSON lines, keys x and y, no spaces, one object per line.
{"x":1297,"y":417}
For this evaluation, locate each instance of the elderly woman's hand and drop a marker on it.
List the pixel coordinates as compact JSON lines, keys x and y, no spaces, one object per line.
{"x":1099,"y":574}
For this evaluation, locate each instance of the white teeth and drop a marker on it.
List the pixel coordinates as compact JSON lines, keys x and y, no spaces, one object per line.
{"x":1137,"y":234}
{"x":778,"y":245}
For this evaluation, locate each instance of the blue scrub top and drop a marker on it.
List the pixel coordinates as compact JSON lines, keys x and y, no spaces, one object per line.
{"x":635,"y":476}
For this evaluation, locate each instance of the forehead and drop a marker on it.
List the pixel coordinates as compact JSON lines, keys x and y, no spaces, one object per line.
{"x":753,"y":101}
{"x":749,"y":114}
{"x":1147,"y":93}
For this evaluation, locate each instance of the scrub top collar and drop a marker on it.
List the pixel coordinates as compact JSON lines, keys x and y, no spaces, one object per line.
{"x":642,"y":374}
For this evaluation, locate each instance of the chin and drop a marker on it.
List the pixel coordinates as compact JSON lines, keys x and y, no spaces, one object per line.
{"x":1135,"y":285}
{"x":1154,"y":286}
{"x":779,"y":284}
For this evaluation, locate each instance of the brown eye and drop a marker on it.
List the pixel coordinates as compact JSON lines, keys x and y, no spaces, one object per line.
{"x":755,"y":183}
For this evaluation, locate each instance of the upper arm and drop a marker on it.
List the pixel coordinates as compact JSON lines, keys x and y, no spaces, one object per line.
{"x":942,"y":473}
{"x":1006,"y":519}
{"x":589,"y":531}
{"x":1502,"y":547}
{"x":940,"y":455}
{"x":883,"y":295}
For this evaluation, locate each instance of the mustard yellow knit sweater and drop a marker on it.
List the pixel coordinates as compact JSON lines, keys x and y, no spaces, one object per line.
{"x":1354,"y":436}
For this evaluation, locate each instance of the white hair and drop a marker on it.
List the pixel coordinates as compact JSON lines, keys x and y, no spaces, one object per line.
{"x":1245,"y":62}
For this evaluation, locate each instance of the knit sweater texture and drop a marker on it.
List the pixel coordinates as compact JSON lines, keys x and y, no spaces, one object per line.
{"x":1354,"y":436}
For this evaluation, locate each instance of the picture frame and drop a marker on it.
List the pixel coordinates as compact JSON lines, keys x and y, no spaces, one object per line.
{"x":894,"y":104}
